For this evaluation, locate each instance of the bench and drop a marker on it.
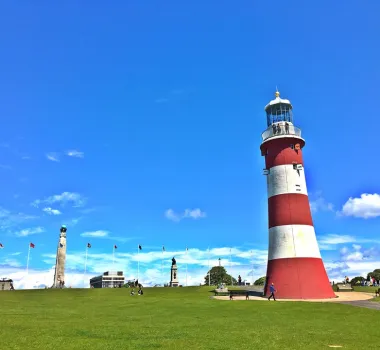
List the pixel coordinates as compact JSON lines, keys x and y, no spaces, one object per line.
{"x":340,"y":287}
{"x":239,"y":292}
{"x":221,"y":292}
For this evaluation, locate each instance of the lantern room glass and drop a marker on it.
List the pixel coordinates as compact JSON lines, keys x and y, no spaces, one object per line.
{"x":280,"y":112}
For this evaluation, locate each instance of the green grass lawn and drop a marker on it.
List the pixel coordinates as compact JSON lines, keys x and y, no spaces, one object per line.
{"x":176,"y":318}
{"x":365,"y":289}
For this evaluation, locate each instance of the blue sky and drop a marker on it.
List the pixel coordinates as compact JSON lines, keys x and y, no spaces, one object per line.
{"x":114,"y":114}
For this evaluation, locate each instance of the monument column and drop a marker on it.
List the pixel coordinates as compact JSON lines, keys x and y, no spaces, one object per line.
{"x":59,"y":274}
{"x":173,"y":274}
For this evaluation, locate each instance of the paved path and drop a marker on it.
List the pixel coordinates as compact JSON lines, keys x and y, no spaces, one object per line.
{"x":363,"y":303}
{"x":358,"y":299}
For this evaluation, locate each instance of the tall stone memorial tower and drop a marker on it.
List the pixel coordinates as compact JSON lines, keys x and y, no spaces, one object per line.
{"x":59,"y":274}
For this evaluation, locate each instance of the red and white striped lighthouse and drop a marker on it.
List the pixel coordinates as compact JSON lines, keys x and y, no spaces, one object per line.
{"x":295,"y":265}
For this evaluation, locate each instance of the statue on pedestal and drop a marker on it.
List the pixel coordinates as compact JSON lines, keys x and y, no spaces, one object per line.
{"x":173,"y":274}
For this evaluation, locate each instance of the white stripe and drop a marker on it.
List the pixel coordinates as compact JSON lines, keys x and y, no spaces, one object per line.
{"x":283,"y":179}
{"x":293,"y":241}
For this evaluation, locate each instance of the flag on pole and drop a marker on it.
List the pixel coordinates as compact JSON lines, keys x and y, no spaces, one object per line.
{"x":115,"y":246}
{"x":1,"y":246}
{"x":31,"y":245}
{"x":187,"y":249}
{"x":163,"y":248}
{"x":88,"y":245}
{"x":140,"y":247}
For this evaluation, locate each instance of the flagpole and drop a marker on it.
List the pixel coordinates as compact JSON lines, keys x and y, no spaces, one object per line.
{"x":209,"y":266}
{"x":85,"y":267}
{"x":186,"y":265}
{"x":27,"y":261}
{"x":162,"y":265}
{"x":252,"y":266}
{"x":138,"y":262}
{"x":113,"y":257}
{"x":232,"y":282}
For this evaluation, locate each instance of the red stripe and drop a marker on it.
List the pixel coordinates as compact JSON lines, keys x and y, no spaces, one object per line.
{"x":299,"y":278}
{"x":289,"y":209}
{"x":279,"y":152}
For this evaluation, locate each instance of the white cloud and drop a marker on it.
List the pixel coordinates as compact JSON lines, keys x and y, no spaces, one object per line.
{"x":353,"y":263}
{"x":329,"y":242}
{"x":148,"y":277}
{"x":11,"y":262}
{"x":51,"y":211}
{"x":320,"y":203}
{"x":75,"y":154}
{"x":76,"y":199}
{"x":336,"y":239}
{"x":155,"y":264}
{"x":171,"y":215}
{"x":336,"y":270}
{"x":29,"y":231}
{"x":151,"y":270}
{"x":40,"y":278}
{"x":358,"y":253}
{"x":367,"y":206}
{"x":188,"y":213}
{"x":355,"y":256}
{"x":194,"y":213}
{"x":98,"y":234}
{"x":106,"y":235}
{"x":9,"y":219}
{"x":357,"y":246}
{"x":74,"y":221}
{"x":88,"y":210}
{"x":52,"y":156}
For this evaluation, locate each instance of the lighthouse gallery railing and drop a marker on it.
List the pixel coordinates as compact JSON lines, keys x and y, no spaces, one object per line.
{"x":280,"y":129}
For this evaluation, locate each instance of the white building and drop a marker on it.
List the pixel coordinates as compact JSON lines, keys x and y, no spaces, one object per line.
{"x":109,"y":279}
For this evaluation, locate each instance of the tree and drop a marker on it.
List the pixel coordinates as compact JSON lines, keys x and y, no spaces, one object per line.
{"x":375,"y":273}
{"x":218,"y":274}
{"x":260,"y":281}
{"x":357,"y":280}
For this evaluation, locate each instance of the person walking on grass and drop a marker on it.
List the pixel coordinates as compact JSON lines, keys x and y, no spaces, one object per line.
{"x":272,"y":291}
